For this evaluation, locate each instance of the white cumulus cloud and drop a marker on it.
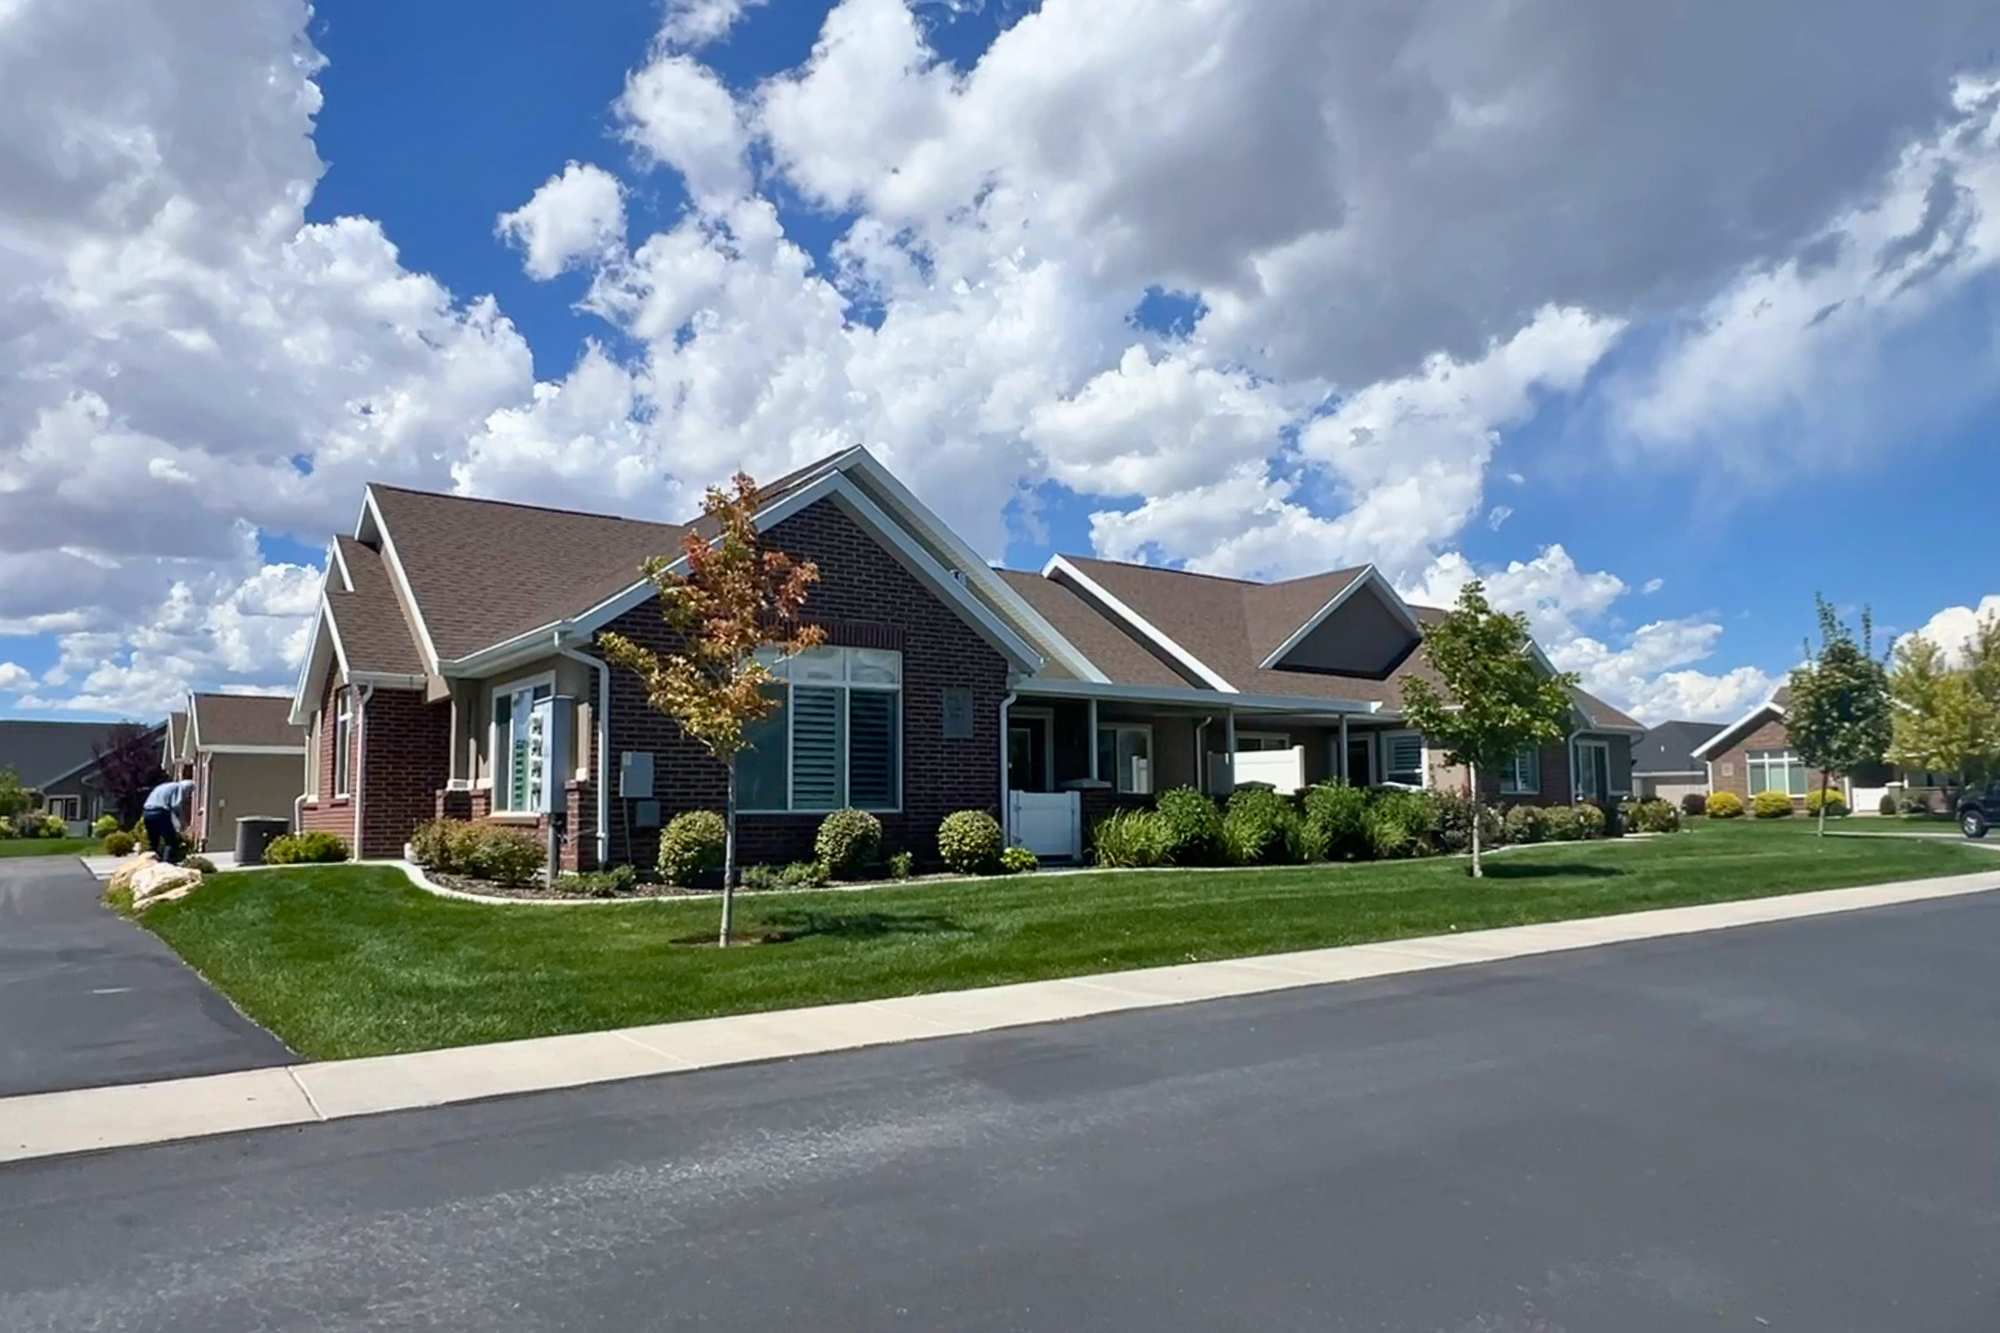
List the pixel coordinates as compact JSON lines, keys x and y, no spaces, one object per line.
{"x":576,"y":215}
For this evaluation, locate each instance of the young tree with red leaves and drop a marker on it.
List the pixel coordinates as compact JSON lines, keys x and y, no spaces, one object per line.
{"x":733,"y":599}
{"x":128,"y":766}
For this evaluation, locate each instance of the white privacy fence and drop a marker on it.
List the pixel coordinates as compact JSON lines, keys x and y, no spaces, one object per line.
{"x":1284,"y":770}
{"x":1047,"y":823}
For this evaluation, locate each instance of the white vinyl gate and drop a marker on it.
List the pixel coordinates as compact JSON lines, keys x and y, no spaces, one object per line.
{"x":1047,"y":823}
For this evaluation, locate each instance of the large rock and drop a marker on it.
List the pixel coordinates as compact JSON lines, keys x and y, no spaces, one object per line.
{"x":121,"y":878}
{"x":161,"y":883}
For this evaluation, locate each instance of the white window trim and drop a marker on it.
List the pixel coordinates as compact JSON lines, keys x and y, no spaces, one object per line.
{"x":845,"y":686}
{"x":343,"y":741}
{"x":1786,"y":758}
{"x":1152,"y":786}
{"x":506,"y":690}
{"x":1511,"y":772}
{"x":312,"y":756}
{"x":1386,"y":747}
{"x":1576,"y":784}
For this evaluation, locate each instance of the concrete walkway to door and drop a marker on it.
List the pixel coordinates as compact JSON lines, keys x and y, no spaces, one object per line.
{"x":87,"y":998}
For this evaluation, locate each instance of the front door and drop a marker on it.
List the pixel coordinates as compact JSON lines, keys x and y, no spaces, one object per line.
{"x":1028,"y":753}
{"x":1593,"y":770}
{"x":1360,"y":761}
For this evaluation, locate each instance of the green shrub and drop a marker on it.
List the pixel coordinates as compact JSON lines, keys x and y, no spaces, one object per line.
{"x":1130,"y":838}
{"x":104,"y":826}
{"x":797,"y":875}
{"x":141,"y":839}
{"x":53,"y":826}
{"x":1836,"y":803}
{"x":691,"y":847}
{"x":7,"y":829}
{"x":289,"y":849}
{"x":1261,"y":828}
{"x":613,"y":883}
{"x":1401,"y":823}
{"x":1888,"y":806}
{"x":901,"y":864}
{"x":848,"y":843}
{"x":1725,"y":805}
{"x":1559,"y":824}
{"x":117,"y":843}
{"x":1019,"y":861}
{"x":1335,"y":822}
{"x":1692,"y":804}
{"x":1527,"y":823}
{"x":969,"y":842}
{"x":1590,"y":820}
{"x":1455,"y":815}
{"x":1768,"y":804}
{"x":201,"y":863}
{"x":1191,"y":826}
{"x":506,"y":856}
{"x":1656,"y":816}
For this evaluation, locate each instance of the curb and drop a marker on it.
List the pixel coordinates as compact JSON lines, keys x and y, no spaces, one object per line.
{"x":54,"y":1124}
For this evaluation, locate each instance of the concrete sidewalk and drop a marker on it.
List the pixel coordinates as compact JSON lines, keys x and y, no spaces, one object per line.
{"x":51,"y":1124}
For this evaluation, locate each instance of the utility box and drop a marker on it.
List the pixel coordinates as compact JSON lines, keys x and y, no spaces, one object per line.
{"x":551,"y":752}
{"x":635,"y":775}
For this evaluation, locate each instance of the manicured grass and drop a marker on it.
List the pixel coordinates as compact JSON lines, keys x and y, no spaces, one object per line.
{"x":46,"y":846}
{"x":353,"y":960}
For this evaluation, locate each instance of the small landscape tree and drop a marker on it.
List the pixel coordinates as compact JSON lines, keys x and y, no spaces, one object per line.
{"x":15,"y":799}
{"x":128,"y":766}
{"x":733,"y":599}
{"x":1498,"y":698}
{"x":1839,"y":718}
{"x":1946,"y":718}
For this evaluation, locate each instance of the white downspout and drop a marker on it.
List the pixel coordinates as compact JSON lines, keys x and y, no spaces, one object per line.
{"x":1006,"y":797}
{"x":1093,"y":740}
{"x":1345,"y":780}
{"x":602,"y":745}
{"x":359,"y":740}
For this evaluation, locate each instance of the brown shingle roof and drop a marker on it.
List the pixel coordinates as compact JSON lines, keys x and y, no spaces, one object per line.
{"x":244,"y":719}
{"x":374,"y":632}
{"x":1110,"y":649}
{"x":484,"y":571}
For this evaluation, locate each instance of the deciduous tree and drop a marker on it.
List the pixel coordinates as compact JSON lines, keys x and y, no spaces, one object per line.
{"x":1839,"y":718}
{"x":1498,"y":697}
{"x":1947,"y":719}
{"x":128,"y":766}
{"x":726,"y":598}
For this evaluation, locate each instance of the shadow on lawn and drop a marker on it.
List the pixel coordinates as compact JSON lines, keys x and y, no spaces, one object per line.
{"x":786,"y":927}
{"x":1508,"y":868}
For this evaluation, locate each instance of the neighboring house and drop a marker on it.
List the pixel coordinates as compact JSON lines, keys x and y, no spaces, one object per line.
{"x":1664,"y":764}
{"x":243,"y":754}
{"x":1754,"y":754}
{"x":453,"y":631}
{"x":60,"y":761}
{"x":176,"y":755}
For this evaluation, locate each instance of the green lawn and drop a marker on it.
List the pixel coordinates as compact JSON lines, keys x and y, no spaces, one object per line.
{"x":46,"y":846}
{"x":353,"y":960}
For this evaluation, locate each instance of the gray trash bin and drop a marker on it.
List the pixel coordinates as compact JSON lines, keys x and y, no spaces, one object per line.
{"x":253,"y":834}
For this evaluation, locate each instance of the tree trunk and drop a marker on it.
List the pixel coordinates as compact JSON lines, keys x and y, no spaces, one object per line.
{"x":728,"y":859}
{"x":1825,"y":778}
{"x":1478,"y":871}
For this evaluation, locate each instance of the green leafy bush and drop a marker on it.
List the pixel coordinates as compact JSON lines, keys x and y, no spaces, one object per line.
{"x":104,"y":826}
{"x":613,"y":883}
{"x":289,"y":849}
{"x":7,"y":829}
{"x":1130,"y":838}
{"x":1261,"y":828}
{"x":969,"y":842}
{"x":1191,"y":826}
{"x":1590,"y":820}
{"x":1725,"y":805}
{"x":901,"y":865}
{"x":1401,"y":823}
{"x":53,"y":826}
{"x":1835,"y":801}
{"x":1692,"y":804}
{"x":1768,"y":804}
{"x":1455,"y":813}
{"x":507,"y":856}
{"x":797,"y":875}
{"x":1888,"y":805}
{"x":1559,"y":824}
{"x":117,"y":842}
{"x":691,"y":847}
{"x":848,"y":843}
{"x":1655,"y":816}
{"x":1335,"y":822}
{"x":201,"y":863}
{"x":1019,"y":861}
{"x":1527,"y":823}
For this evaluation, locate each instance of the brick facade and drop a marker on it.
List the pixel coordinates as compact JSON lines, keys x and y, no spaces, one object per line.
{"x":866,"y":599}
{"x":397,"y":759}
{"x":1730,"y":770}
{"x":324,"y":812}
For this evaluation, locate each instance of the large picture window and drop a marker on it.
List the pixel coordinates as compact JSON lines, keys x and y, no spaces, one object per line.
{"x":1125,"y":757}
{"x":836,"y":739}
{"x":1522,"y":775}
{"x":517,"y":749}
{"x":1776,"y":770}
{"x":1403,"y":758}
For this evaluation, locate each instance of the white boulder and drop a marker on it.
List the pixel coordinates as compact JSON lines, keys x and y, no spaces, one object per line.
{"x":162,"y":883}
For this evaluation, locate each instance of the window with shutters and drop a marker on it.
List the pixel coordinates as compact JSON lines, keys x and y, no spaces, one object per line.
{"x":836,"y":739}
{"x":1403,"y":758}
{"x":1522,"y":775}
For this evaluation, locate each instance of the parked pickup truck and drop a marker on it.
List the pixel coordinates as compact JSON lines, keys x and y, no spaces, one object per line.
{"x":1978,"y":808}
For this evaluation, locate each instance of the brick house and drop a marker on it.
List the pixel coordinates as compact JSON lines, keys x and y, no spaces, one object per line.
{"x":456,"y":637}
{"x":1754,"y":754}
{"x":242,"y":753}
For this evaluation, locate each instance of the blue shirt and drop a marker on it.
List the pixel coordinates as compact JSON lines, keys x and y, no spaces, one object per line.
{"x":169,"y":796}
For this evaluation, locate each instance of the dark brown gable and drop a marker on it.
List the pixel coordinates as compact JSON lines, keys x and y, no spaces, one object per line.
{"x":1363,"y":637}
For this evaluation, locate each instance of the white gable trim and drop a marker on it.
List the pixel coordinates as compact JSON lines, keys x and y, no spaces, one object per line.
{"x":335,"y":560}
{"x":1719,"y":740}
{"x":372,"y":511}
{"x":305,"y":697}
{"x":1057,"y":566}
{"x":1368,"y":577}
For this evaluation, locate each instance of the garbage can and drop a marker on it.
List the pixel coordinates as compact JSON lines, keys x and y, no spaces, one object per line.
{"x":253,"y":834}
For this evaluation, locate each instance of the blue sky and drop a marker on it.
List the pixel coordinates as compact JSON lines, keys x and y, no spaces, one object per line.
{"x":1661,"y":350}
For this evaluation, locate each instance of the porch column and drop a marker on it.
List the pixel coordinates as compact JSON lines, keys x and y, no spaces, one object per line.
{"x":1093,"y":740}
{"x":1343,"y":751}
{"x":1229,"y":743}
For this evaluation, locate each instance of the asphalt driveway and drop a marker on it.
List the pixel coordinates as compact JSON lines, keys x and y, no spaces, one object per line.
{"x":88,"y":999}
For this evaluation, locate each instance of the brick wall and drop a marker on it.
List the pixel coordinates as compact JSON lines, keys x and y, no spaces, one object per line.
{"x":1730,"y":770}
{"x":405,"y":746}
{"x":324,"y":813}
{"x":864,"y":598}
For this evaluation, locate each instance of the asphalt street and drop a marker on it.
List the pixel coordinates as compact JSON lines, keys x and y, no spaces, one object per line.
{"x":1788,"y":1126}
{"x":87,"y":998}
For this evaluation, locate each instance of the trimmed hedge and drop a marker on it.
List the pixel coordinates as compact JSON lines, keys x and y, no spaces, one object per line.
{"x":1833,"y":798}
{"x":969,"y":842}
{"x":848,"y":843}
{"x":1771,"y":805}
{"x":1725,"y":805}
{"x":288,"y":849}
{"x":691,"y":846}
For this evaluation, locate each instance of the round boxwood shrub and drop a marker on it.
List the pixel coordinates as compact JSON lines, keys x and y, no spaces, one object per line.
{"x":1590,"y":820}
{"x":1725,"y":805}
{"x":1527,"y":823}
{"x":969,"y":842}
{"x":1655,"y":816}
{"x":848,"y":843}
{"x":507,"y":856}
{"x":117,"y":842}
{"x":1888,"y":805}
{"x":1768,"y":804}
{"x":54,"y":826}
{"x":104,"y":826}
{"x":1692,"y":804}
{"x":1559,"y":824}
{"x":1019,"y":861}
{"x":1260,"y":828}
{"x":1190,"y":828}
{"x":1834,"y":800}
{"x":1335,"y":821}
{"x":290,"y":849}
{"x":691,"y":846}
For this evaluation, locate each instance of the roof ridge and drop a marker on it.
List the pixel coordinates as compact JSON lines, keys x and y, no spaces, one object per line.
{"x":522,"y":504}
{"x":1166,"y":569}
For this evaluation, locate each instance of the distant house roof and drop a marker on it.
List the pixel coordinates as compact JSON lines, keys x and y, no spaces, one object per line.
{"x":1669,"y":748}
{"x":249,"y":721}
{"x":44,"y":752}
